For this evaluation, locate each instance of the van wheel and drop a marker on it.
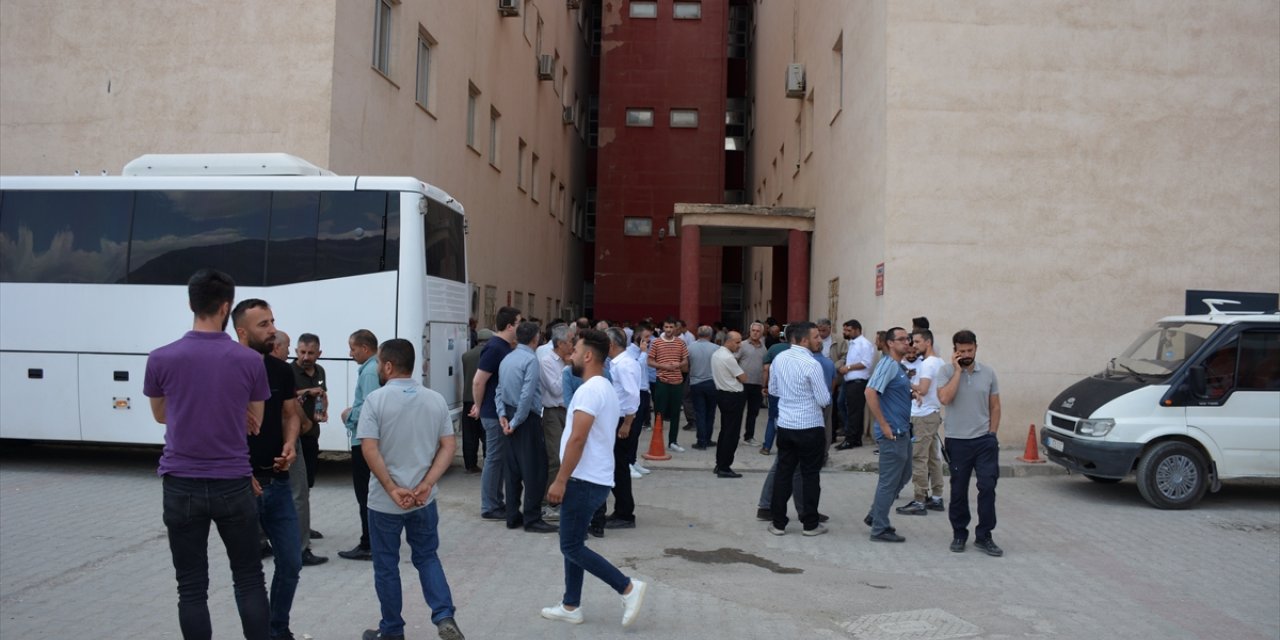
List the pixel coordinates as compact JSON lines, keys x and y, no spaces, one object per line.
{"x":1101,"y":480}
{"x":1172,"y":475}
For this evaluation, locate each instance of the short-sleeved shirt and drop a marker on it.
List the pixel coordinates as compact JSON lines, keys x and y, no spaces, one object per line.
{"x":266,"y":446}
{"x":725,"y":370}
{"x":925,"y":369}
{"x":490,"y":360}
{"x":366,"y":383}
{"x":626,"y":382}
{"x":663,"y":351}
{"x":207,"y":380}
{"x":700,"y":361}
{"x":304,"y":380}
{"x":751,"y":359}
{"x":773,"y":352}
{"x":890,"y":380}
{"x":408,"y":420}
{"x":470,"y":362}
{"x":828,"y":367}
{"x":596,"y":397}
{"x":861,"y":351}
{"x":969,"y":414}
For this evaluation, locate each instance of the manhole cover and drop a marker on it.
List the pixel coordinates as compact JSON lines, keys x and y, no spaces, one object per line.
{"x":933,"y":624}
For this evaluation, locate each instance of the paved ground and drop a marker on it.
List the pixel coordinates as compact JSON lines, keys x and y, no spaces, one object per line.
{"x":83,"y":555}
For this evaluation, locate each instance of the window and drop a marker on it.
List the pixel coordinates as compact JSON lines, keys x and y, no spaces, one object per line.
{"x":561,"y":203}
{"x":589,"y":230}
{"x":551,"y":195}
{"x":494,"y":116}
{"x":806,"y":128}
{"x":556,"y":79}
{"x":1259,"y":361}
{"x":518,"y":301}
{"x":490,"y":305}
{"x":593,"y":121}
{"x":175,"y":233}
{"x":645,"y":9}
{"x":423,"y":93}
{"x":382,"y":37}
{"x":473,"y":95}
{"x":537,"y":49}
{"x":637,"y":227}
{"x":838,"y":53}
{"x":291,"y":239}
{"x":359,"y":232}
{"x":686,"y":10}
{"x":65,"y":236}
{"x":443,"y":239}
{"x":684,"y":118}
{"x":533,"y":178}
{"x":520,"y":176}
{"x":639,"y":117}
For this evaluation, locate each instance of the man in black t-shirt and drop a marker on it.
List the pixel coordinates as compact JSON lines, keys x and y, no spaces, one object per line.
{"x":313,"y":395}
{"x":271,"y":452}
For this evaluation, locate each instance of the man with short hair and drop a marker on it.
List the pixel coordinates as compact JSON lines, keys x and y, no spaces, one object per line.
{"x":856,"y":371}
{"x":639,"y":351}
{"x":824,"y":332}
{"x":625,"y":377}
{"x":729,"y":379}
{"x":889,"y":399}
{"x":771,"y":423}
{"x":971,"y":393}
{"x":702,"y":387}
{"x":271,"y":453}
{"x":553,"y":356}
{"x":362,"y":346}
{"x":302,"y":472}
{"x":797,"y":381}
{"x":750,"y":357}
{"x":926,"y":420}
{"x":519,"y":403}
{"x":313,"y":392}
{"x":484,"y":386}
{"x":472,"y":430}
{"x":670,"y":357}
{"x":686,"y":393}
{"x":207,"y":410}
{"x":407,"y":440}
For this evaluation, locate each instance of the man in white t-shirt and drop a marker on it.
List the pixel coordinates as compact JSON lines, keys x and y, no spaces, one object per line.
{"x":926,"y":420}
{"x":585,"y":479}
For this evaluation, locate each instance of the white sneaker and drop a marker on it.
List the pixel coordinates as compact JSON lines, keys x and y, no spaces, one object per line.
{"x":551,"y":514}
{"x":631,"y":602}
{"x":750,"y":442}
{"x":675,"y":447}
{"x":558,"y":612}
{"x":639,"y":467}
{"x":635,"y":475}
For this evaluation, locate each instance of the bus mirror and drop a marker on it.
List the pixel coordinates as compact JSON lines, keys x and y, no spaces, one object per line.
{"x":1198,"y":379}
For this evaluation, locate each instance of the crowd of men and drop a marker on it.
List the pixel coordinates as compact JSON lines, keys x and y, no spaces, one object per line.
{"x":556,"y":413}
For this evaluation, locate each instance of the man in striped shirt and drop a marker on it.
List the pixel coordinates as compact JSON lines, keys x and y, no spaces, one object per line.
{"x":669,"y":355}
{"x":796,"y":379}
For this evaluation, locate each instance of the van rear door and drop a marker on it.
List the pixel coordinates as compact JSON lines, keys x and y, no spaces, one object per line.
{"x":1240,"y":407}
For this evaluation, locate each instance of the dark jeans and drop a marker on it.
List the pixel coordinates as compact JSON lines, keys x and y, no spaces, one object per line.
{"x":704,"y":410}
{"x":798,"y":449}
{"x":624,"y":503}
{"x":771,"y":426}
{"x":666,"y":403}
{"x":581,"y":500}
{"x":472,"y":437}
{"x":360,"y":482}
{"x":420,"y":529}
{"x":310,"y":446}
{"x":526,"y":462}
{"x":190,"y":505}
{"x":731,"y":404}
{"x":855,"y":399}
{"x":641,"y":421}
{"x":977,"y":456}
{"x":754,"y":400}
{"x":279,"y":519}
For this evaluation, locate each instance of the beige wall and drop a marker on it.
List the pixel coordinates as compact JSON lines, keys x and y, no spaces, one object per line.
{"x":1052,"y":176}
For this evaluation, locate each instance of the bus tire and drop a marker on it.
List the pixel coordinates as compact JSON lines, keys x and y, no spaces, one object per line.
{"x":1172,"y":475}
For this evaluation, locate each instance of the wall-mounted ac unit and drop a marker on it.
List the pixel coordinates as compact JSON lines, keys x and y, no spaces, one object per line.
{"x":509,"y":8}
{"x":567,"y":116}
{"x":546,"y":67}
{"x":795,"y":80}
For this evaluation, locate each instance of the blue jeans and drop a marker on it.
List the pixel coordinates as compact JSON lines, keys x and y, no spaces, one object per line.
{"x":279,"y":519}
{"x":581,"y":499}
{"x":704,"y":410}
{"x":981,"y":457}
{"x":493,"y":474}
{"x":895,"y":473}
{"x":190,"y":505}
{"x":420,"y":532}
{"x":771,"y":427}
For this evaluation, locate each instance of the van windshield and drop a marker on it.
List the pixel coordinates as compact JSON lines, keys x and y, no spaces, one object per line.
{"x":1159,"y":351}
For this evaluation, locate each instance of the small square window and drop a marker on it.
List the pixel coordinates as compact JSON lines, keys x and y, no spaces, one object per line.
{"x":639,"y":117}
{"x":646,"y":9}
{"x":642,"y":227}
{"x":684,"y":118}
{"x":687,"y":11}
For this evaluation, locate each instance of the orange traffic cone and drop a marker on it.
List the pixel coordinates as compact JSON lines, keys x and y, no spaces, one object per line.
{"x":1032,"y":452}
{"x":657,"y":446}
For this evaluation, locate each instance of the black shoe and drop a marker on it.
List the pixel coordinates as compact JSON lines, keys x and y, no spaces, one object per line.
{"x":728,"y":473}
{"x":356,"y":553}
{"x":868,"y":520}
{"x":374,"y":634}
{"x":822,"y":517}
{"x":448,"y":630}
{"x":888,"y":535}
{"x":315,"y":535}
{"x":496,"y":514}
{"x":687,"y":427}
{"x":471,"y":470}
{"x":989,"y":547}
{"x":935,"y":504}
{"x":596,"y":532}
{"x":619,"y":523}
{"x":516,"y":524}
{"x":266,"y":550}
{"x":287,"y":636}
{"x":541,"y":526}
{"x":764,"y":515}
{"x":846,"y":445}
{"x":310,"y":559}
{"x":957,"y":545}
{"x":699,"y":446}
{"x":913,"y":508}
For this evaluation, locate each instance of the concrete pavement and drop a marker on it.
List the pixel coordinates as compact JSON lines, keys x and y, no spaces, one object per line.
{"x":83,"y":554}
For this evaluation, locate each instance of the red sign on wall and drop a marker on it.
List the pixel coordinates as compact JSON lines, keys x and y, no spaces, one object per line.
{"x":880,"y":279}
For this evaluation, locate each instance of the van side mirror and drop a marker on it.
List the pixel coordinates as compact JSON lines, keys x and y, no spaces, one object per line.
{"x":1199,"y":380}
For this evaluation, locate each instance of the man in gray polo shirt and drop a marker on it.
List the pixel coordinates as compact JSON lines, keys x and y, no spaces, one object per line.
{"x":702,"y":386}
{"x":971,"y":394}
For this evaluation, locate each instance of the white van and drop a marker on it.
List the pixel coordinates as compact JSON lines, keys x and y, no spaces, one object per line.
{"x":1194,"y":401}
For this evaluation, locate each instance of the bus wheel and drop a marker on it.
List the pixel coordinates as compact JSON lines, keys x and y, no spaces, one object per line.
{"x":1172,"y":475}
{"x":1101,"y":480}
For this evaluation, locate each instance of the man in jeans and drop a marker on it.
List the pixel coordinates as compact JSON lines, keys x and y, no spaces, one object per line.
{"x":703,"y":387}
{"x":888,"y":397}
{"x":484,"y":386}
{"x":407,"y":440}
{"x":972,"y":395}
{"x":797,"y":381}
{"x":586,"y":475}
{"x":207,"y":410}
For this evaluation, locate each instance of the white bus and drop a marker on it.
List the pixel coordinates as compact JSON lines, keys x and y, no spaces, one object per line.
{"x":93,"y":274}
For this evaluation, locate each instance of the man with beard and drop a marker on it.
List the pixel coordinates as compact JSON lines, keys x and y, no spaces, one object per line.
{"x":313,"y":394}
{"x":750,"y":357}
{"x":669,"y":355}
{"x":888,"y":397}
{"x":856,"y":370}
{"x":926,"y":419}
{"x":802,"y":391}
{"x":271,"y":453}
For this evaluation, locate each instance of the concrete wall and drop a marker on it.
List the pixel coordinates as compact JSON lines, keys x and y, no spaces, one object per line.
{"x":1053,"y":176}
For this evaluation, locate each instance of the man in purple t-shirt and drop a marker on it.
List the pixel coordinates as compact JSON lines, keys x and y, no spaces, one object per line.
{"x":203,"y":388}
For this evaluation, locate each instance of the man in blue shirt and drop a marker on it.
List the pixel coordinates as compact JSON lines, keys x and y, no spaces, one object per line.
{"x":483,"y":388}
{"x":364,"y":349}
{"x":519,"y":403}
{"x":889,"y":399}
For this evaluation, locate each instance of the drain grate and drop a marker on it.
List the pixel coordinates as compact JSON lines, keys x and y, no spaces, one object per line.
{"x":930,"y":624}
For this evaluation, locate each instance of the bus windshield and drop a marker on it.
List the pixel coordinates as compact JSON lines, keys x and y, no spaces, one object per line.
{"x":1159,"y":351}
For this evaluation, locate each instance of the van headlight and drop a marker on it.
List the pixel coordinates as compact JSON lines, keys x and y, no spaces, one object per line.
{"x":1097,"y":428}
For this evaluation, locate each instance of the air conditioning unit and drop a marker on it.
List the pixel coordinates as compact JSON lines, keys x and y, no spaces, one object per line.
{"x":509,"y":8}
{"x":795,"y":80}
{"x":567,"y":115}
{"x":546,"y":67}
{"x":573,"y":4}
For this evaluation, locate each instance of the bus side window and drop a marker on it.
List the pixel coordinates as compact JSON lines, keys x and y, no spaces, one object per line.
{"x":351,"y":238}
{"x":291,"y":245}
{"x":64,"y":236}
{"x":176,"y":233}
{"x":1260,"y":361}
